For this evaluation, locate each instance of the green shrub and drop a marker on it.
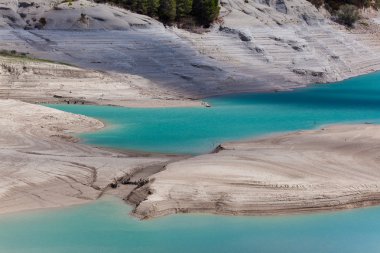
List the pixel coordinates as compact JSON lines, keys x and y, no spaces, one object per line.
{"x":377,"y":4}
{"x":206,"y":11}
{"x":317,"y":3}
{"x":184,"y":8}
{"x":347,"y":14}
{"x":334,"y":5}
{"x":152,"y":7}
{"x":167,"y":10}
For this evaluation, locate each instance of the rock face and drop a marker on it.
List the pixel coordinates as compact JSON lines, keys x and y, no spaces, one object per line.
{"x":257,"y":45}
{"x":329,"y":169}
{"x":281,"y":48}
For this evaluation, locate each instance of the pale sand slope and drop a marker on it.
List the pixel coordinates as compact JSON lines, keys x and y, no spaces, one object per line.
{"x":328,"y":169}
{"x":43,"y":82}
{"x":256,"y":45}
{"x":41,"y":166}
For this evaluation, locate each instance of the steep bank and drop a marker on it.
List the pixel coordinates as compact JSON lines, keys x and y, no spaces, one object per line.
{"x":329,"y":169}
{"x":255,"y":46}
{"x":42,"y":166}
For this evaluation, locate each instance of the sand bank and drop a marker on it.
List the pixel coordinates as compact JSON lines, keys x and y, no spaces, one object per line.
{"x":42,"y":166}
{"x":334,"y":168}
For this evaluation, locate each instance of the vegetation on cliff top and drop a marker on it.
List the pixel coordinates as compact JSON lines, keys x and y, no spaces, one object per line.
{"x":346,"y":12}
{"x":335,"y":5}
{"x":201,"y":12}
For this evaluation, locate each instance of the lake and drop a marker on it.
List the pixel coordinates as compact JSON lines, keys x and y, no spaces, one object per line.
{"x":235,"y":117}
{"x":104,"y":226}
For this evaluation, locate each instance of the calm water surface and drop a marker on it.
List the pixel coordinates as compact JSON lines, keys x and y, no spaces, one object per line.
{"x":105,"y":226}
{"x":199,"y":130}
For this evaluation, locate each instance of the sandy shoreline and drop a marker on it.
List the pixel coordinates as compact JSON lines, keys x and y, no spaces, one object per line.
{"x":41,"y":166}
{"x":332,"y":168}
{"x":83,"y":173}
{"x":40,"y":140}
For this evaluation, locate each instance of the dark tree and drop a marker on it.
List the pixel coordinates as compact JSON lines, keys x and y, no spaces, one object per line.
{"x":184,"y":8}
{"x":206,"y":11}
{"x":167,"y":11}
{"x":347,"y":14}
{"x":152,"y":8}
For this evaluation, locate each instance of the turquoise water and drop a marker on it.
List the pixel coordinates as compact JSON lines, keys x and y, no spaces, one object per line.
{"x":104,"y":227}
{"x":199,"y":130}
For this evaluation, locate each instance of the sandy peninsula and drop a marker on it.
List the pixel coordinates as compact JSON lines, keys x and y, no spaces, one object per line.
{"x":333,"y":168}
{"x":42,"y":165}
